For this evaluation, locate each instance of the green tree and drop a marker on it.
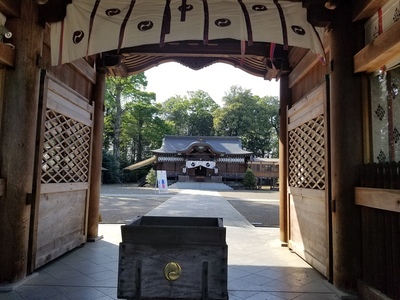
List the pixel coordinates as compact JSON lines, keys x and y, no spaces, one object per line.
{"x":236,"y":117}
{"x":142,"y":120}
{"x":133,"y":121}
{"x":175,"y":112}
{"x":249,"y":180}
{"x":118,"y":92}
{"x":201,"y":109}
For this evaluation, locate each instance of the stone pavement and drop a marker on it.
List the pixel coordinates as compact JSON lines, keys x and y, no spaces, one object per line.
{"x":258,"y":267}
{"x":192,"y":203}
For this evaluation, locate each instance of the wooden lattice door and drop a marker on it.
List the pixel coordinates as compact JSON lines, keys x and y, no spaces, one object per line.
{"x":307,"y":164}
{"x":63,"y":165}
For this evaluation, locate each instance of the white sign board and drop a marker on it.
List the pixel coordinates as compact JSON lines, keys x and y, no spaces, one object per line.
{"x":162,"y":181}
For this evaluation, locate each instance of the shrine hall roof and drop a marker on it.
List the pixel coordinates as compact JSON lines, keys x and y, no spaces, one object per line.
{"x":173,"y":144}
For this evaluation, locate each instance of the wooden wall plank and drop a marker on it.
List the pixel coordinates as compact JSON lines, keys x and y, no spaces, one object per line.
{"x":60,"y":105}
{"x":309,"y":193}
{"x":7,"y":55}
{"x":378,"y":198}
{"x":364,"y":9}
{"x":308,"y":108}
{"x":83,"y":68}
{"x":2,"y":187}
{"x":69,"y":95}
{"x":312,"y":114}
{"x":381,"y":51}
{"x":304,"y":66}
{"x":152,"y":258}
{"x":54,"y":237}
{"x":308,"y":228}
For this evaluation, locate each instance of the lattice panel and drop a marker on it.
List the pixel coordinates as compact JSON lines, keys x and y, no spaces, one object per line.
{"x":66,"y":150}
{"x":307,"y":155}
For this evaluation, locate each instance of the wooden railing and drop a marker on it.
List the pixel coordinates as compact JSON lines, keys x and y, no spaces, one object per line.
{"x":381,"y":175}
{"x":379,"y":198}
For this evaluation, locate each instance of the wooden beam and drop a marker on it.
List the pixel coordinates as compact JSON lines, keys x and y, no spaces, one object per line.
{"x":7,"y":55}
{"x":98,"y":97}
{"x":10,"y":8}
{"x":378,"y":198}
{"x":21,"y":94}
{"x":63,"y":187}
{"x":384,"y":49}
{"x":364,"y":9}
{"x":346,"y":153}
{"x":284,"y":103}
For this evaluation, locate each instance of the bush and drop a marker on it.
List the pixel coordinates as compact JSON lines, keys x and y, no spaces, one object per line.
{"x":151,"y":177}
{"x":249,"y":180}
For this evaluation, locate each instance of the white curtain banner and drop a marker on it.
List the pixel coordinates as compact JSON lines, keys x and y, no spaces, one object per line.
{"x":197,"y":163}
{"x":93,"y":26}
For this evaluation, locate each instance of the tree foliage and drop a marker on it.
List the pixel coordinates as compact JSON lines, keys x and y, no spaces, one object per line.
{"x":254,"y":119}
{"x":191,"y":114}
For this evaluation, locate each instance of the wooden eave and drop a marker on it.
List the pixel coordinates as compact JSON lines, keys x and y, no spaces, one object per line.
{"x":196,"y":55}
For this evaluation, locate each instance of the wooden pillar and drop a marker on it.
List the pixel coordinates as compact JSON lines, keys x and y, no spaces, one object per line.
{"x":97,"y":147}
{"x":346,"y":150}
{"x":285,"y":100}
{"x":17,"y":150}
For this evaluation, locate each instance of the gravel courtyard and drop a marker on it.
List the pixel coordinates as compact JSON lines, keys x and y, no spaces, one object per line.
{"x":123,"y":203}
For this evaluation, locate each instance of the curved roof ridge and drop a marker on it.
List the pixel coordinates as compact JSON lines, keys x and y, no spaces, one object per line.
{"x":230,"y":145}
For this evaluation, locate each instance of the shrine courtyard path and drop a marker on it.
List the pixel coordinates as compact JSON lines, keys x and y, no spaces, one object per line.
{"x":121,"y":204}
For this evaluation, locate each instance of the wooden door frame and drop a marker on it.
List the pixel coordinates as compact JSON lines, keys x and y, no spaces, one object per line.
{"x":327,"y":166}
{"x":34,"y":198}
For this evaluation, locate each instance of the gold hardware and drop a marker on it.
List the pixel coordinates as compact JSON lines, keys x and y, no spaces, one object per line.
{"x":172,"y":271}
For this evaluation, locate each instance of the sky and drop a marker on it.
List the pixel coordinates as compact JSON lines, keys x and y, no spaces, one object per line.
{"x":171,"y":79}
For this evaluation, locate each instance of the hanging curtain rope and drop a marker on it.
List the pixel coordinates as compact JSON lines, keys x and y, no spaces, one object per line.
{"x":183,"y":11}
{"x":123,"y":25}
{"x":248,"y":23}
{"x":92,"y":15}
{"x":206,"y":22}
{"x":283,"y":25}
{"x":166,"y":23}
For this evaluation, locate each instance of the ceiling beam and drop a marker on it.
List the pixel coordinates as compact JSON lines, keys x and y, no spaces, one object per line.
{"x":217,"y":47}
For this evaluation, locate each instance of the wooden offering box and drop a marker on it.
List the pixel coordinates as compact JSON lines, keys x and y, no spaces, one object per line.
{"x":173,"y":258}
